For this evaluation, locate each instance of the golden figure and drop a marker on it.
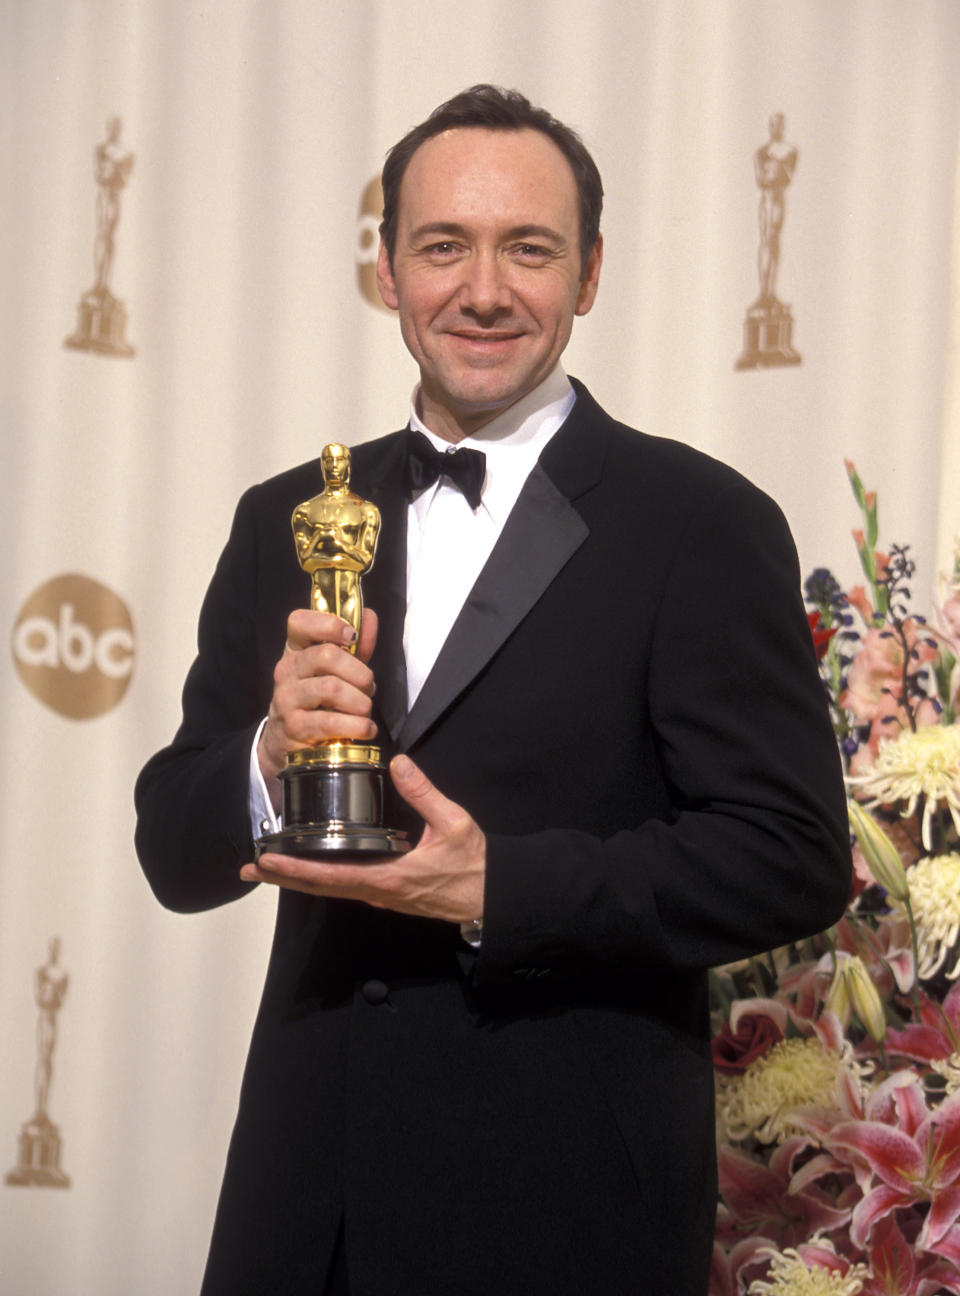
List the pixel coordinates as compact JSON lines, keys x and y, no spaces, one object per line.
{"x":51,"y":986}
{"x":333,"y":791}
{"x":336,"y":537}
{"x":38,"y":1162}
{"x":101,"y":317}
{"x":768,"y":326}
{"x":111,"y":170}
{"x":774,"y":165}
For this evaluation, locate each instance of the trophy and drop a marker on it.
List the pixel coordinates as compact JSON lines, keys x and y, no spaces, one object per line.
{"x":332,"y":793}
{"x":768,"y":326}
{"x":101,"y":317}
{"x":38,"y":1162}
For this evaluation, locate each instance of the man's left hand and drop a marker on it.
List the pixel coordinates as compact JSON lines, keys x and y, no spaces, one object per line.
{"x":441,"y":878}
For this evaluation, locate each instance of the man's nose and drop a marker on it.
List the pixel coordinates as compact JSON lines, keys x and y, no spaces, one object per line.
{"x":485,"y":288}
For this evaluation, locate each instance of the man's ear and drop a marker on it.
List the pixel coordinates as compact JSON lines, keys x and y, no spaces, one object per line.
{"x":385,"y":281}
{"x":591,"y":278}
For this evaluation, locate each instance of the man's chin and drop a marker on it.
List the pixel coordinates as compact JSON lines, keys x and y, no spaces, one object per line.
{"x":486,"y":391}
{"x":477,"y":408}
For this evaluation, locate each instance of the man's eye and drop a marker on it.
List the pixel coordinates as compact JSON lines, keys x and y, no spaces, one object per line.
{"x":531,"y":252}
{"x":444,"y":248}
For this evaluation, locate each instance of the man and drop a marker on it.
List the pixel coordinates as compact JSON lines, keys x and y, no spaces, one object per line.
{"x":484,"y":1066}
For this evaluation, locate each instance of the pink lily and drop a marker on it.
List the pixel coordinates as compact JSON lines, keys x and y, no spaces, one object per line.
{"x":914,"y":1163}
{"x":937,"y":1034}
{"x":897,"y":1269}
{"x":949,"y":1248}
{"x":732,"y":1271}
{"x":765,"y":1198}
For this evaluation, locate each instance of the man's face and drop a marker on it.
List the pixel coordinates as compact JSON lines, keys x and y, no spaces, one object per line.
{"x":486,"y":270}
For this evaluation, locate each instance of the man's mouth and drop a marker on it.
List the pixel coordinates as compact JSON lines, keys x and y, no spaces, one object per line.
{"x":484,"y":341}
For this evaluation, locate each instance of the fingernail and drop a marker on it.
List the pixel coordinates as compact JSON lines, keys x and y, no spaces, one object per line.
{"x":403,"y":766}
{"x":248,"y":873}
{"x":349,"y":634}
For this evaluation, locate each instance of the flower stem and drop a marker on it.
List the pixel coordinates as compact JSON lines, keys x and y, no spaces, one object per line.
{"x":915,"y":991}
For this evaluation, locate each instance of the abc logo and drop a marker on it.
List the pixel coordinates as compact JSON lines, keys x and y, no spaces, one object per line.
{"x":368,"y":241}
{"x":73,"y":646}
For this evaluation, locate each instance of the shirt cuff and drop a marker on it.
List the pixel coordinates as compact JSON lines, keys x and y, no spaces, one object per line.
{"x":263,"y":817}
{"x":472,"y":933}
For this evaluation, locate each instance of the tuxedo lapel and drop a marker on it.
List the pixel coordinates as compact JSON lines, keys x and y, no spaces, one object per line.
{"x":541,"y":534}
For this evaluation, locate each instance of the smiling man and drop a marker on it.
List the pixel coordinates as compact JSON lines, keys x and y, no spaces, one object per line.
{"x":484,"y":1066}
{"x":485,"y":269}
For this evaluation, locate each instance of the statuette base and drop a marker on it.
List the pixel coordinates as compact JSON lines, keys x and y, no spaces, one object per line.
{"x":768,"y":336}
{"x":101,"y":325}
{"x":39,"y":1161}
{"x":332,"y":806}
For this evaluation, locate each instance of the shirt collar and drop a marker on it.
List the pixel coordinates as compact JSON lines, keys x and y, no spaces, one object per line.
{"x":513,"y":440}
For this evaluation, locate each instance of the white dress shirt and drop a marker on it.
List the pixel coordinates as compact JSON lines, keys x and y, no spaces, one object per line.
{"x":448,"y":542}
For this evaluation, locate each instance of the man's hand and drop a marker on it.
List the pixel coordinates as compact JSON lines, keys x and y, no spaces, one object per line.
{"x":442,"y":878}
{"x":320,"y":690}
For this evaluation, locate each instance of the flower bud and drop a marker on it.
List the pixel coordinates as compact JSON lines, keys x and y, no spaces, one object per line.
{"x":852,"y":991}
{"x":881,"y":855}
{"x":865,"y":999}
{"x":838,"y":996}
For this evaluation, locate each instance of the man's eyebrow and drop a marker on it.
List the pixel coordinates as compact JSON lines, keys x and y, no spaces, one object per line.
{"x":536,"y":231}
{"x":450,"y":229}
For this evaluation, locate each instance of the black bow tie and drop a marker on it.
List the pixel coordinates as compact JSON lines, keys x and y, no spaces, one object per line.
{"x":465,"y":468}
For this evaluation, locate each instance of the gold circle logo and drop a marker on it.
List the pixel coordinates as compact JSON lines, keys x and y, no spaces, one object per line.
{"x":73,"y":646}
{"x":368,"y":242}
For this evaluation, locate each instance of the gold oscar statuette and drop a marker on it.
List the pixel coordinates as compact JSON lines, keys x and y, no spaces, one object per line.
{"x":332,"y":794}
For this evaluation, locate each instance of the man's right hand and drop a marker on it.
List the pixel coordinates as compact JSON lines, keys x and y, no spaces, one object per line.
{"x":320,"y":689}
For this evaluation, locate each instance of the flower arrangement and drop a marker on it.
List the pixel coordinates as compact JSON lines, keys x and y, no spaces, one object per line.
{"x":838,"y":1061}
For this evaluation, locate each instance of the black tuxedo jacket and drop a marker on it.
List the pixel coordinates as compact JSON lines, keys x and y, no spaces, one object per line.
{"x":630,"y":708}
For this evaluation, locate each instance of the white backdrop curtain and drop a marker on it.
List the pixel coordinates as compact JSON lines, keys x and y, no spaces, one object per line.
{"x":240,"y":253}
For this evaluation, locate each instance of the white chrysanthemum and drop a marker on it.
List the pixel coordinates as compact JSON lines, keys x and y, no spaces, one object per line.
{"x":949,"y":1068}
{"x":794,"y":1073}
{"x":934,"y":884}
{"x":925,"y":763}
{"x":791,"y":1277}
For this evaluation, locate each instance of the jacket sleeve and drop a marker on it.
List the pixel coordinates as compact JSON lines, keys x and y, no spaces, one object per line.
{"x":193,"y":831}
{"x":754,"y":852}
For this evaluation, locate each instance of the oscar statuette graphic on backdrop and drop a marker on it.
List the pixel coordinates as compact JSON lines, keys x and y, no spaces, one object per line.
{"x":102,"y":317}
{"x":768,"y":326}
{"x":38,"y":1161}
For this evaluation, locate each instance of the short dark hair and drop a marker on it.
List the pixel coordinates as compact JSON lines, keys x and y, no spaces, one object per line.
{"x":493,"y":108}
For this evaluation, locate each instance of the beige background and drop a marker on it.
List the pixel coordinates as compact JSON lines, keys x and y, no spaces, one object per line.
{"x":256,"y":127}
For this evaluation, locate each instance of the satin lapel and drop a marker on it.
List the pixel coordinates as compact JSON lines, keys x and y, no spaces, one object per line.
{"x":540,"y":535}
{"x":385,"y":585}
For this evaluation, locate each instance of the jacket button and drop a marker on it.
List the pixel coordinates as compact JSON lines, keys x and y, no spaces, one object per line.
{"x":375,"y":992}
